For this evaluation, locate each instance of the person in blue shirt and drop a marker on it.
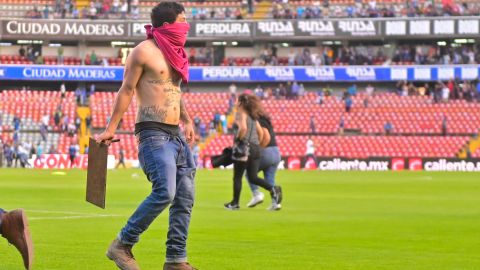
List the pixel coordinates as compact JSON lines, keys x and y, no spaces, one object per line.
{"x":348,"y":104}
{"x":72,"y":152}
{"x":16,"y":123}
{"x":352,"y":90}
{"x":388,"y":128}
{"x":300,"y":11}
{"x":39,"y":151}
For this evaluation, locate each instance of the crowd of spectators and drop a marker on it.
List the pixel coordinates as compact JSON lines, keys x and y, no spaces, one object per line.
{"x":372,"y":9}
{"x":442,"y":91}
{"x":215,"y":13}
{"x":98,"y":9}
{"x":438,"y":55}
{"x":200,"y":55}
{"x":366,"y":55}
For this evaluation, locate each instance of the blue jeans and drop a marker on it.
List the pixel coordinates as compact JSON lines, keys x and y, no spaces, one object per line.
{"x":169,"y":166}
{"x":269,"y":160}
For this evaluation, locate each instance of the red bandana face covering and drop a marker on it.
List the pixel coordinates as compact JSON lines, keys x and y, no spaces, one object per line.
{"x":171,"y":39}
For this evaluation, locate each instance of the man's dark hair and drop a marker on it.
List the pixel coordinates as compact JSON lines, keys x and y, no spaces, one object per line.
{"x":166,"y":12}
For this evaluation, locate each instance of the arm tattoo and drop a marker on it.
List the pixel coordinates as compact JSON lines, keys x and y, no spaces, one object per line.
{"x":152,"y":113}
{"x":183,"y":113}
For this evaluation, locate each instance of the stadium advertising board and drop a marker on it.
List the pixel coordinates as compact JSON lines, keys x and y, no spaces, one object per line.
{"x":283,"y":30}
{"x":383,"y":164}
{"x":63,"y":73}
{"x":64,"y":29}
{"x":253,"y":74}
{"x":431,"y":27}
{"x":60,"y":161}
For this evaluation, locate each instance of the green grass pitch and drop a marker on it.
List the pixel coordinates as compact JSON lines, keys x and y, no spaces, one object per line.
{"x":330,"y":220}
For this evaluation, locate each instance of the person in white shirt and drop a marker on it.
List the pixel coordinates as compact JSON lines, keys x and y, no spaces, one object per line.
{"x":310,"y":153}
{"x":233,"y":89}
{"x":63,"y":90}
{"x":124,"y":9}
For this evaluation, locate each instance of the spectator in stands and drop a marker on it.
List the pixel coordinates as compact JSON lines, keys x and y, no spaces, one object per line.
{"x":121,"y":158}
{"x":124,"y":10}
{"x":216,"y":120}
{"x":203,"y":130}
{"x":21,"y":51}
{"x":348,"y":103}
{"x":30,"y":53}
{"x":196,"y":122}
{"x":22,"y":156}
{"x":72,"y":153}
{"x":9,"y":154}
{"x":319,"y":99}
{"x":39,"y":151}
{"x":223,"y":122}
{"x":369,"y":90}
{"x":46,"y":12}
{"x":341,"y":126}
{"x":78,"y":123}
{"x":60,"y":55}
{"x":75,"y":13}
{"x":16,"y":123}
{"x":312,"y":124}
{"x":468,"y":153}
{"x":295,"y":90}
{"x":233,"y":89}
{"x":57,"y":116}
{"x":71,"y":129}
{"x":310,"y":152}
{"x":65,"y":122}
{"x":444,"y":125}
{"x":258,"y":92}
{"x":93,"y":58}
{"x":88,"y":121}
{"x":92,"y":11}
{"x":115,"y":7}
{"x":388,"y":128}
{"x":43,"y":132}
{"x":445,"y":93}
{"x":352,"y":90}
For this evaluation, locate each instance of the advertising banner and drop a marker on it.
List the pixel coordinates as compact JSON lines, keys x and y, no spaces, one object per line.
{"x":61,"y":161}
{"x":64,"y":29}
{"x":281,"y":30}
{"x":252,"y":74}
{"x":60,"y":73}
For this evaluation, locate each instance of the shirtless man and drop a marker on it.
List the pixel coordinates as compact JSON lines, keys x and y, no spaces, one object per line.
{"x":153,"y":72}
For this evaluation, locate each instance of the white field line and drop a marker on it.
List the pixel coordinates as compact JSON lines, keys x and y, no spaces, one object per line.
{"x":72,"y":217}
{"x":58,"y":212}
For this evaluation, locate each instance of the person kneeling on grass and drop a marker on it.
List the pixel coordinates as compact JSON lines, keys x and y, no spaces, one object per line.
{"x":14,"y":228}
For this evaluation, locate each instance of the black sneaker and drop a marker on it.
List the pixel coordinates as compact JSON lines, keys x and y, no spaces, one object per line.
{"x":232,"y":206}
{"x":278,"y":190}
{"x":276,"y":194}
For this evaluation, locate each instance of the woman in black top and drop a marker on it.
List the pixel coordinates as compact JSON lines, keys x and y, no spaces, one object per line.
{"x":269,"y":159}
{"x":249,"y":130}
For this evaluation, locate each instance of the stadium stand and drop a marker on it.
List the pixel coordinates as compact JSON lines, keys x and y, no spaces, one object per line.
{"x":202,"y":105}
{"x":359,"y":146}
{"x":30,"y":106}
